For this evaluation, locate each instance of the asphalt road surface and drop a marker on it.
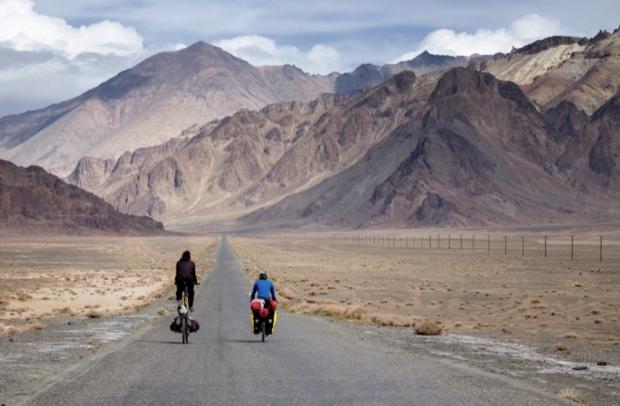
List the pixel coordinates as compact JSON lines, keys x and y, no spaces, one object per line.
{"x":308,"y":361}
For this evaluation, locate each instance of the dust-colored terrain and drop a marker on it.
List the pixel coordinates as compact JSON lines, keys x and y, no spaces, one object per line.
{"x":566,"y":307}
{"x":46,"y":277}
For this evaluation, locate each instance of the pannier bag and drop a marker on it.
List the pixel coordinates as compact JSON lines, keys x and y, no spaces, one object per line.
{"x":256,"y":305}
{"x":176,"y":325}
{"x":193,"y":325}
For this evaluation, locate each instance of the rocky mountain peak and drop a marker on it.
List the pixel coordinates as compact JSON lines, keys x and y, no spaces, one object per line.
{"x":546,"y":43}
{"x":463,"y":80}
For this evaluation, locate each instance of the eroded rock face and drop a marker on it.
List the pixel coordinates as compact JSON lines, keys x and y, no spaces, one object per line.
{"x":31,"y":200}
{"x":567,"y":120}
{"x":598,"y":149}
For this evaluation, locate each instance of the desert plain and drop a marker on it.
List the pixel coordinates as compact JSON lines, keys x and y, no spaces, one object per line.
{"x":47,"y":277}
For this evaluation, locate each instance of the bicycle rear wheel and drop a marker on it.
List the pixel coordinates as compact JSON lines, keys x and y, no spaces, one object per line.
{"x":184,"y":331}
{"x":262,"y":331}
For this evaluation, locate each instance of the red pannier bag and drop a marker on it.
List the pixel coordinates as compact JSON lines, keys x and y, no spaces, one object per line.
{"x":255,"y":305}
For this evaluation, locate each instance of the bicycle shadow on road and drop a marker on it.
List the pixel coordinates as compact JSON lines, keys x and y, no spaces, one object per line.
{"x":161,"y":342}
{"x":246,"y":341}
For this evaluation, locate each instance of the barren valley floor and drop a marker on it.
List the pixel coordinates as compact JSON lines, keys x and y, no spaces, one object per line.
{"x":48,"y":277}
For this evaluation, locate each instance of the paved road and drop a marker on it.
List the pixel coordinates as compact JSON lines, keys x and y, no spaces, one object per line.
{"x":309,"y":361}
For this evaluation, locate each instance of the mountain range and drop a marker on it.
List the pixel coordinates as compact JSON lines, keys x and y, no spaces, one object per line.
{"x":170,"y":95}
{"x":521,"y":138}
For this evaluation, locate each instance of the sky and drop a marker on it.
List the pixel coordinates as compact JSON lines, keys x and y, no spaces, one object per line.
{"x":52,"y":50}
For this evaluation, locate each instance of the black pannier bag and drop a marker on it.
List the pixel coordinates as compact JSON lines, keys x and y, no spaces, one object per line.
{"x":194,"y":325}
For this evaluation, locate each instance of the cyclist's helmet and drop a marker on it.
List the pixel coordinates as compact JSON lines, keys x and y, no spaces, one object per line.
{"x":262,"y":275}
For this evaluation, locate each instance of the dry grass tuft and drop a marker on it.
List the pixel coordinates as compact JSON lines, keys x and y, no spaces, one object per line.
{"x":561,"y":348}
{"x":162,"y":312}
{"x":94,"y":314}
{"x":428,"y":328}
{"x":344,"y":312}
{"x":572,"y":395}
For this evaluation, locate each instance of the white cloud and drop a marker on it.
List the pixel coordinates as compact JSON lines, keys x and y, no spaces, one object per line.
{"x":522,"y":31}
{"x":23,"y":29}
{"x":259,"y":50}
{"x":44,"y":60}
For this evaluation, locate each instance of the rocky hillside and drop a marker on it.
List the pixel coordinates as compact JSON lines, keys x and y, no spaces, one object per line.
{"x":479,"y":154}
{"x":33,"y":201}
{"x":582,"y":71}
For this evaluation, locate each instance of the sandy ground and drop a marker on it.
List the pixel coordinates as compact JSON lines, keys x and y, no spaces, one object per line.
{"x":47,"y":277}
{"x":567,"y":308}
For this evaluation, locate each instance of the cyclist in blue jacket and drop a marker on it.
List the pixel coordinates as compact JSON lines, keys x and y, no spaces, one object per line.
{"x":263,"y":288}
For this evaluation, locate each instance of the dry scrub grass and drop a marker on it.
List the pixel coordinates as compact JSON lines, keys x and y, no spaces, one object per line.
{"x":331,"y":310}
{"x":572,"y":395}
{"x":428,"y":328}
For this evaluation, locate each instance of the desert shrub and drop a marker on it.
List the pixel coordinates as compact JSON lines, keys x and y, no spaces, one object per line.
{"x":35,"y":325}
{"x":94,"y":314}
{"x":428,"y":328}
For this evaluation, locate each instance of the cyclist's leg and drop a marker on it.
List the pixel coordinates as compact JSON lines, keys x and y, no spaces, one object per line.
{"x":190,"y":291}
{"x":179,"y":293}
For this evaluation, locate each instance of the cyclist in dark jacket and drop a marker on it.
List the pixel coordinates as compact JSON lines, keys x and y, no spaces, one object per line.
{"x":186,"y":276}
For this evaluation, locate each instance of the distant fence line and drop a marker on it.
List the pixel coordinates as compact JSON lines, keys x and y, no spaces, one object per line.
{"x":472,"y":242}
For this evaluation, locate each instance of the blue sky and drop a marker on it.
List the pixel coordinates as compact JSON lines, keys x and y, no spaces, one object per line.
{"x":51,"y":50}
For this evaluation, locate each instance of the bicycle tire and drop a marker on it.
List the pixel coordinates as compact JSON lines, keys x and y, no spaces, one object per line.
{"x":262,"y":331}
